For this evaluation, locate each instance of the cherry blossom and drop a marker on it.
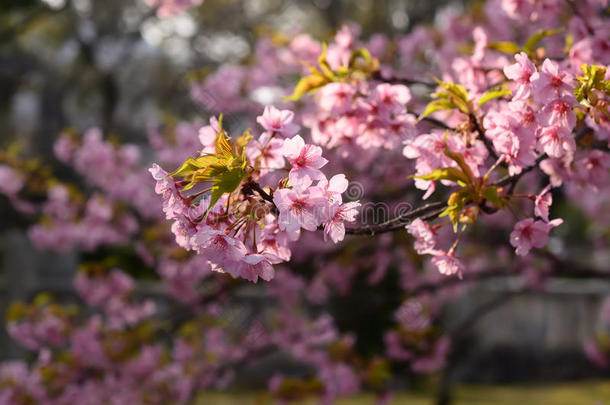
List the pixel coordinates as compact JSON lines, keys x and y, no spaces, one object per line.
{"x":529,"y":233}
{"x":550,"y":82}
{"x":306,"y":161}
{"x":278,"y":121}
{"x":520,"y":74}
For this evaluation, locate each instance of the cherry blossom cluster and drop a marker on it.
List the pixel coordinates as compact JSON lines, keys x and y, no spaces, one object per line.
{"x":369,"y":114}
{"x":110,"y":291}
{"x":246,"y":230}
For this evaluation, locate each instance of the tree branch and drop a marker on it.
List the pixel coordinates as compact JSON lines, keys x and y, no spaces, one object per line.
{"x":427,"y":212}
{"x":402,"y":80}
{"x":474,"y":122}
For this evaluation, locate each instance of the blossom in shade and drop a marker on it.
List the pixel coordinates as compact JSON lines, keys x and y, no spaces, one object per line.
{"x":529,"y":233}
{"x":253,"y":266}
{"x":542,"y":203}
{"x":268,"y":151}
{"x":595,"y":355}
{"x":425,"y":239}
{"x":447,"y":263}
{"x":220,"y":249}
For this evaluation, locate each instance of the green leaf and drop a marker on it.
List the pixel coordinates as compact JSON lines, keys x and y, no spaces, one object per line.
{"x":436,"y":105}
{"x":362,"y":53}
{"x":324,"y":74}
{"x":224,"y":146}
{"x":492,"y":94}
{"x":457,"y":94}
{"x":226,"y":182}
{"x":491,"y":195}
{"x":592,"y":80}
{"x":190,"y":166}
{"x":459,"y":159}
{"x":453,"y":211}
{"x":444,"y":173}
{"x":17,"y":311}
{"x":532,"y":41}
{"x":457,"y":201}
{"x":307,"y":84}
{"x":243,"y":141}
{"x":323,"y":63}
{"x":506,"y":47}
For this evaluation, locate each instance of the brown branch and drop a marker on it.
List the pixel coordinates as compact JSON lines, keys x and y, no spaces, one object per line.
{"x":427,"y":212}
{"x":254,"y":186}
{"x":512,"y":180}
{"x":438,"y":123}
{"x":474,"y":122}
{"x":402,"y":80}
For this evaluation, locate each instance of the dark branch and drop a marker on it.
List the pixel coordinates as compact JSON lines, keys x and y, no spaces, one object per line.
{"x":254,"y":186}
{"x":402,"y":80}
{"x":474,"y":122}
{"x":426,"y":212}
{"x":438,"y":123}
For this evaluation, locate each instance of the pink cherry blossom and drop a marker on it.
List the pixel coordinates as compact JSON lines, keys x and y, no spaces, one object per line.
{"x":298,"y":209}
{"x":596,"y":355}
{"x":339,"y":214}
{"x":11,"y":181}
{"x":550,"y":82}
{"x":529,"y":233}
{"x":305,"y":159}
{"x":278,"y":121}
{"x":559,"y":112}
{"x":520,"y":74}
{"x":542,"y":203}
{"x":268,"y":151}
{"x":207,"y":136}
{"x":425,"y":239}
{"x":392,"y":97}
{"x":447,"y":263}
{"x":167,"y":8}
{"x":253,"y":266}
{"x":336,"y":97}
{"x":220,"y":249}
{"x":556,"y":141}
{"x":333,"y":188}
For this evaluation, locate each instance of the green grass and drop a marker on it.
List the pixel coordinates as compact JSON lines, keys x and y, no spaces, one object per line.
{"x":581,"y":393}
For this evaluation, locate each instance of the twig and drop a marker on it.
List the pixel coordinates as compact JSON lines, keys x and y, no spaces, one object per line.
{"x":402,"y":80}
{"x":481,"y":135}
{"x":427,"y":211}
{"x":438,"y":123}
{"x":254,"y":186}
